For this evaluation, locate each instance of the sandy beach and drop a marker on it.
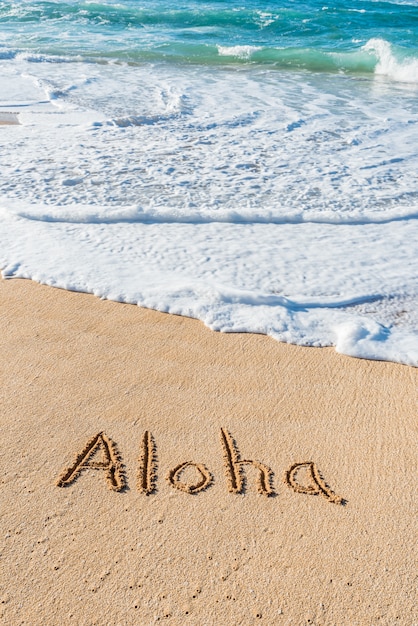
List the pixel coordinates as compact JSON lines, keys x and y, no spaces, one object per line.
{"x":155,"y":471}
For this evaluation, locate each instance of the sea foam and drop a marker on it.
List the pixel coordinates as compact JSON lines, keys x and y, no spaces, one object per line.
{"x":279,"y":280}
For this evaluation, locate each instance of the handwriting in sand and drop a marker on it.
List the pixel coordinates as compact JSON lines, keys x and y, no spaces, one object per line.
{"x":302,"y":477}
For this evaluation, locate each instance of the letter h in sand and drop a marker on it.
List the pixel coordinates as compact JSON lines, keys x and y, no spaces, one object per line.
{"x":234,"y":468}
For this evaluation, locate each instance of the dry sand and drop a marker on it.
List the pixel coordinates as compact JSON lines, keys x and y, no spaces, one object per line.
{"x":160,"y":388}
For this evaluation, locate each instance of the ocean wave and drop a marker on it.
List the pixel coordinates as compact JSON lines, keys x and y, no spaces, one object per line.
{"x":400,"y":66}
{"x":307,"y":37}
{"x":315,"y":60}
{"x":377,"y":57}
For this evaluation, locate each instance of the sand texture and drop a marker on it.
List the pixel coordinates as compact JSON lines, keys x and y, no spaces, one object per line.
{"x":153,"y":471}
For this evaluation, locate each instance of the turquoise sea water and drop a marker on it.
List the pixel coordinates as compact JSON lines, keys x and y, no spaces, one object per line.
{"x":309,"y":35}
{"x":250,"y":164}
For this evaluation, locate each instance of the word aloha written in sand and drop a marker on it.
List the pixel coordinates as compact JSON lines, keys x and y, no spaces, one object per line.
{"x":301,"y":477}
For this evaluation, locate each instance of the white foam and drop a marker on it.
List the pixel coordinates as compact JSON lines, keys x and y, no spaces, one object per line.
{"x":404,"y":71}
{"x":364,"y":338}
{"x":275,"y":279}
{"x":241,"y":52}
{"x":86,"y":214}
{"x":254,"y":201}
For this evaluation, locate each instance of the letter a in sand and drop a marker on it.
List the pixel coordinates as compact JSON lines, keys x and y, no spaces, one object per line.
{"x":315,"y":483}
{"x":110,"y":463}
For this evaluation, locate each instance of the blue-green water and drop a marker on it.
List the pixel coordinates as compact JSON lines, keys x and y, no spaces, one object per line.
{"x":309,"y":35}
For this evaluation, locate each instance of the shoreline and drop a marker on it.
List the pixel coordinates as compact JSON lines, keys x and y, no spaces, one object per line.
{"x":183,"y":414}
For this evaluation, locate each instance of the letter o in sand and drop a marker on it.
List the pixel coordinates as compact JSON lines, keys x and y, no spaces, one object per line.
{"x":175,"y":475}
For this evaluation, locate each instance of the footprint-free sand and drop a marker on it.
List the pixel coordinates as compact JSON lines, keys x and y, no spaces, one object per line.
{"x":153,"y":471}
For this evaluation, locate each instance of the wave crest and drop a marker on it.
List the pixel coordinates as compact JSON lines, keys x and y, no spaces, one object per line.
{"x":399,"y":67}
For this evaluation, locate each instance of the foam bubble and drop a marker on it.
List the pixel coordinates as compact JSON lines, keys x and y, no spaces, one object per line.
{"x":241,"y":52}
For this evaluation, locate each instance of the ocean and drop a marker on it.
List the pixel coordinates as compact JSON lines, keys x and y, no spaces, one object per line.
{"x":250,"y":164}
